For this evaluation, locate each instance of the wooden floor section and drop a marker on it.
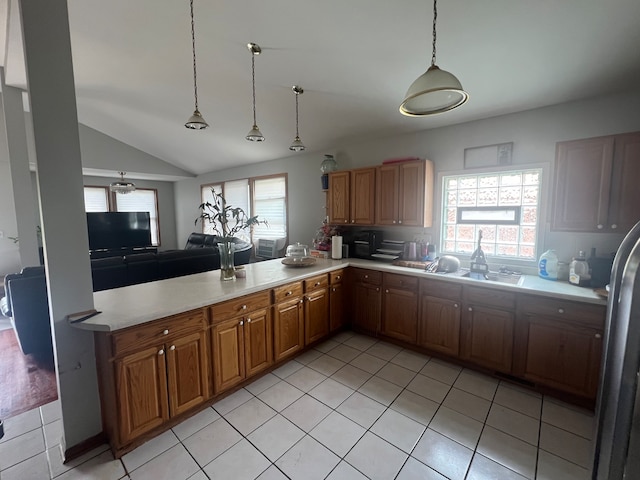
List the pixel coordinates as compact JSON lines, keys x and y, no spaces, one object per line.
{"x":26,"y":381}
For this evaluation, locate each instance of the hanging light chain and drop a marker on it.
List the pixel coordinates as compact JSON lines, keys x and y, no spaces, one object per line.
{"x":193,"y":48}
{"x":253,"y":81}
{"x":297,"y":133}
{"x":435,"y":16}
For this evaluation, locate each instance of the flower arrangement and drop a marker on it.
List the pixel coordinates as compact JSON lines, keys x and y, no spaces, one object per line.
{"x":322,"y":240}
{"x":225,"y":220}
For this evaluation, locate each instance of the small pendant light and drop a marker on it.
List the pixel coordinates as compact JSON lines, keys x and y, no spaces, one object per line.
{"x":254,"y":134}
{"x":297,"y":145}
{"x":435,"y":91}
{"x":195,"y":122}
{"x":121,"y":186}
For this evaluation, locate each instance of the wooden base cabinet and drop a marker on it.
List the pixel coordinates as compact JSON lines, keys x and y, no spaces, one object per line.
{"x":316,"y":308}
{"x":400,"y":307}
{"x":336,"y":300}
{"x":559,"y":344}
{"x":439,"y":321}
{"x":488,"y":320}
{"x":288,"y":321}
{"x":367,"y":300}
{"x":151,"y":373}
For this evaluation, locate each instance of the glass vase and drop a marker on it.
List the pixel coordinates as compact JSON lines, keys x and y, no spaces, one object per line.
{"x":227,"y":269}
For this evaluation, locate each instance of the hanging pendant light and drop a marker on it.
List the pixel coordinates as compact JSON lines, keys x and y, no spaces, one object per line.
{"x":121,"y":186}
{"x":254,"y":134}
{"x":297,"y":145}
{"x":195,"y":122}
{"x":435,"y":91}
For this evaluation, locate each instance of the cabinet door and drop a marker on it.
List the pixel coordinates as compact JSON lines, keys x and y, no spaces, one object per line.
{"x":582,"y":184}
{"x":367,"y":308}
{"x":336,"y":307}
{"x":228,"y":354}
{"x":316,"y":315}
{"x":439,"y":325}
{"x":339,"y":197}
{"x":560,"y":355}
{"x":363,"y":188}
{"x":487,"y":337}
{"x":141,"y":383}
{"x":288,"y":327}
{"x":387,"y":183}
{"x":187,"y":372}
{"x":624,"y":208}
{"x":400,"y":314}
{"x":412,"y":211}
{"x":258,"y":346}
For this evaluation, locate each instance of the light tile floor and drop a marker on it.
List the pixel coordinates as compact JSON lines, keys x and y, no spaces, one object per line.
{"x":352,"y":408}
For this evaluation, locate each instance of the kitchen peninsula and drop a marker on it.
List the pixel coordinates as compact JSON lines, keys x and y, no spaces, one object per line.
{"x":167,"y":349}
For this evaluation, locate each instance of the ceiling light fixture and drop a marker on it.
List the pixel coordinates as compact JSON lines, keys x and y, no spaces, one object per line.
{"x":121,"y":186}
{"x":254,"y":134}
{"x":297,"y":145}
{"x":435,"y":91}
{"x":195,"y":122}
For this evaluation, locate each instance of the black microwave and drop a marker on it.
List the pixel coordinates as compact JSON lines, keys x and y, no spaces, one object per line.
{"x":365,"y":242}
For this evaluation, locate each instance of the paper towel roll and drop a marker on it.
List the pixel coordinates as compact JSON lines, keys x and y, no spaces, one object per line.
{"x":336,"y":247}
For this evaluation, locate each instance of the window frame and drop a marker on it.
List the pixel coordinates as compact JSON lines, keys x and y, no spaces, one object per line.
{"x":251,"y":185}
{"x":114,"y":204}
{"x":543,"y":205}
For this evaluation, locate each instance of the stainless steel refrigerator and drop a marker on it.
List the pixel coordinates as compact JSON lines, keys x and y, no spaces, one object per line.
{"x":617,"y":438}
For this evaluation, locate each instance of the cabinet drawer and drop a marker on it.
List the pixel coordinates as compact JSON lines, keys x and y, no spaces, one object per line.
{"x":157,"y":332}
{"x":490,"y":297}
{"x":361,"y":275}
{"x":315,"y":283}
{"x":336,"y":277}
{"x":239,"y":306}
{"x":286,"y":292}
{"x":402,"y":282}
{"x":576,"y":312}
{"x":441,"y":289}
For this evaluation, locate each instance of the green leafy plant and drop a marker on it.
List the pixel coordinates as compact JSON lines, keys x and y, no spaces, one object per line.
{"x":225,"y":219}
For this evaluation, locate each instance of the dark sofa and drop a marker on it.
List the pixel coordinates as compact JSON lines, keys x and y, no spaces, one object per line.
{"x":26,"y":302}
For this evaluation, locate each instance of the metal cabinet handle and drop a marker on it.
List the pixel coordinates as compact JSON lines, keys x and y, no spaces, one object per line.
{"x":366,"y":276}
{"x":386,"y":291}
{"x":345,"y":221}
{"x":248,"y":320}
{"x":471,"y":309}
{"x":377,"y":289}
{"x":288,"y":293}
{"x":333,"y":289}
{"x":561,"y":310}
{"x":172,"y":348}
{"x":399,"y":221}
{"x":353,"y":221}
{"x":165,"y":332}
{"x":394,"y":221}
{"x":161,"y":352}
{"x":241,"y":322}
{"x":600,"y":226}
{"x":338,"y":277}
{"x":614,"y":226}
{"x":598,"y":335}
{"x":316,"y":284}
{"x":301,"y":300}
{"x":455,"y":305}
{"x":243,"y":307}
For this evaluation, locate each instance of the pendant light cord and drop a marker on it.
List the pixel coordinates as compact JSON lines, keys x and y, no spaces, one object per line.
{"x":297,"y":133}
{"x":193,"y":48}
{"x":253,"y":82}
{"x":435,"y":16}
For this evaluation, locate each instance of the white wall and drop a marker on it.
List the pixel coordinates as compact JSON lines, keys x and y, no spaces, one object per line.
{"x":534,"y":134}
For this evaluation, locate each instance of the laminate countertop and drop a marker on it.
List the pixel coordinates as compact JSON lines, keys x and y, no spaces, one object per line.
{"x":137,"y":304}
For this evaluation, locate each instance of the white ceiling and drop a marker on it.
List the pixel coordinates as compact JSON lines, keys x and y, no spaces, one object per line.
{"x":355,"y":60}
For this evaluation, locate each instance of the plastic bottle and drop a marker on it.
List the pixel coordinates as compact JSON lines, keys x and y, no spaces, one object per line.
{"x":548,"y":265}
{"x":579,"y":270}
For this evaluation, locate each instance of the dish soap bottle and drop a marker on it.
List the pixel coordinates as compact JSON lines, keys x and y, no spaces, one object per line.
{"x":579,"y":270}
{"x":548,"y":265}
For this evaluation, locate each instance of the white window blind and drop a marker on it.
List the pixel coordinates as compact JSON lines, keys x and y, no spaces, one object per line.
{"x":141,"y":200}
{"x":96,"y":199}
{"x":207,"y":196}
{"x":270,"y":204}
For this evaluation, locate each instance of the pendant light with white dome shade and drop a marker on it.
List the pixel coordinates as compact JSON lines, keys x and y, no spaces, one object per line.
{"x":435,"y":91}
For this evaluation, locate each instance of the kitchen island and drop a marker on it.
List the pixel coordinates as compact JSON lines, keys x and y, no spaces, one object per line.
{"x":167,"y":349}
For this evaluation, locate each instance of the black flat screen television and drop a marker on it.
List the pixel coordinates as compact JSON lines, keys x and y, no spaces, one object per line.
{"x":113,"y":230}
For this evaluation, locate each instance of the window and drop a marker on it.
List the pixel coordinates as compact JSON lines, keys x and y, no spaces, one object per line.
{"x":265,"y":197}
{"x":504,"y":205}
{"x":96,"y":199}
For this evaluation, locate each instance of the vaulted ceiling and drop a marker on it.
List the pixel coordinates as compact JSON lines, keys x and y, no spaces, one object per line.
{"x":355,"y":60}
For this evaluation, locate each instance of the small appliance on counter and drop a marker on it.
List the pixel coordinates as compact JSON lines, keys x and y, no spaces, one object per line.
{"x":389,"y":250}
{"x":365,"y":243}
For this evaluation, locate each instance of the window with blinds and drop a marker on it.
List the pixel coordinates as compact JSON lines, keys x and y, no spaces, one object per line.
{"x":268,"y":200}
{"x":141,"y":200}
{"x":96,"y":199}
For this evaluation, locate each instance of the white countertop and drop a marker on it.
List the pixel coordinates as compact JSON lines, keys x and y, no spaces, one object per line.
{"x":129,"y":306}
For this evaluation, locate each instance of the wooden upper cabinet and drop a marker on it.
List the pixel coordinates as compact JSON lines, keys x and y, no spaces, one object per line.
{"x":595,"y":184}
{"x":404,"y":194}
{"x":339,"y":197}
{"x":363,"y":187}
